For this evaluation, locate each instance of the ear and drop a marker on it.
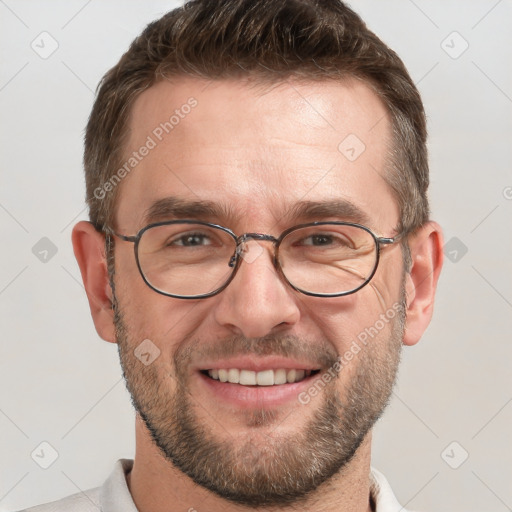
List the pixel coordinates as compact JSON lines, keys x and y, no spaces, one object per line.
{"x":89,"y":248}
{"x":426,"y":247}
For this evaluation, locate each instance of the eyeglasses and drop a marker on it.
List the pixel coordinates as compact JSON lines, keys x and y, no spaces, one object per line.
{"x":190,"y":259}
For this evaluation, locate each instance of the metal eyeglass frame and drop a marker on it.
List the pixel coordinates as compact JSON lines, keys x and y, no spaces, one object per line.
{"x":236,"y":260}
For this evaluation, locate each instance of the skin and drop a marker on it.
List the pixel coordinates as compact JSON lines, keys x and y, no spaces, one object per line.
{"x":259,"y":151}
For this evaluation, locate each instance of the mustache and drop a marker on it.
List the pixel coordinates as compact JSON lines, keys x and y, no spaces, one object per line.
{"x":319,"y":352}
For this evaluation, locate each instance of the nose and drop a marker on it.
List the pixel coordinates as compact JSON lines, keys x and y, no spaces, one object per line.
{"x":257,"y":302}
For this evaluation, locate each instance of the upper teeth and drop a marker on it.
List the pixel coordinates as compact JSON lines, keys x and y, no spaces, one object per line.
{"x":263,"y":378}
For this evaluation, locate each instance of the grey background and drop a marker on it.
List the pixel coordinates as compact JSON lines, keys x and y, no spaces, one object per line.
{"x":61,"y":384}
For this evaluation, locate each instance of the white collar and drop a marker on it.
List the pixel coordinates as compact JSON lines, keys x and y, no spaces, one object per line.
{"x":380,"y":490}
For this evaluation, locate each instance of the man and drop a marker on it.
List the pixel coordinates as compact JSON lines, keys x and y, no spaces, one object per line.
{"x":260,"y":249}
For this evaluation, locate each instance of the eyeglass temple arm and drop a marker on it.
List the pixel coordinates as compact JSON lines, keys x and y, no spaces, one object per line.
{"x":389,"y":241}
{"x":110,"y":232}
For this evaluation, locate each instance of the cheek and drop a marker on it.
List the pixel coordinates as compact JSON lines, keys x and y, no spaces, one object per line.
{"x":128,"y":280}
{"x":355,"y":320}
{"x":385,"y":289}
{"x":163,"y":320}
{"x":148,"y":314}
{"x":154,"y":330}
{"x":368,"y":346}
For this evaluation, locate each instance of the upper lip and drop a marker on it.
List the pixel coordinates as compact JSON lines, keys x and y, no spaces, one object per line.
{"x":258,"y":364}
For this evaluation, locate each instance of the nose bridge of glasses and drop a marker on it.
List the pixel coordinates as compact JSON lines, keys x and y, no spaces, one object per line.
{"x":246,"y":237}
{"x":242,"y":248}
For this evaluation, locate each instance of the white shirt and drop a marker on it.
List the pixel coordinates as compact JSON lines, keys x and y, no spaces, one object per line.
{"x":114,"y":495}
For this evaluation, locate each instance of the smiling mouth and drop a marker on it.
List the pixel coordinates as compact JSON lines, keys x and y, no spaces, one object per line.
{"x":250,"y":378}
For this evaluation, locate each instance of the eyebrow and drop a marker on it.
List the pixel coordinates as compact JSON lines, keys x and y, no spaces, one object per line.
{"x":341,"y":209}
{"x":170,"y":208}
{"x":175,"y":208}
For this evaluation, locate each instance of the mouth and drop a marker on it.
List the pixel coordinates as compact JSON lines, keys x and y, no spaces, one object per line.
{"x":266,"y":388}
{"x":250,"y":378}
{"x":248,"y":382}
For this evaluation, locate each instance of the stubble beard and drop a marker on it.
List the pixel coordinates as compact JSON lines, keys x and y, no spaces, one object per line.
{"x":282,"y":470}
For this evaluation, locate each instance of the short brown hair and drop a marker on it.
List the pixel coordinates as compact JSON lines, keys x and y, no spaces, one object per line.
{"x":270,"y":40}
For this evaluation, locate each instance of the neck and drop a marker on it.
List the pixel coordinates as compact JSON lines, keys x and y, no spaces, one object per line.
{"x":154,"y":483}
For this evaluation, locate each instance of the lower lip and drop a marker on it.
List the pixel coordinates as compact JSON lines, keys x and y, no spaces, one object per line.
{"x":249,"y":397}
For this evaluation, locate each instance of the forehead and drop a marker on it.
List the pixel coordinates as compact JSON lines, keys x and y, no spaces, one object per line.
{"x":257,"y":150}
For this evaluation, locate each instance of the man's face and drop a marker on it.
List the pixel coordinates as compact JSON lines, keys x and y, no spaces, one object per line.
{"x":256,"y":155}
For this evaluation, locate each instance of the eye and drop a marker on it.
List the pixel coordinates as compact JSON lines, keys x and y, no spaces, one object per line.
{"x":325,"y":240}
{"x":190,"y":240}
{"x":318,"y":240}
